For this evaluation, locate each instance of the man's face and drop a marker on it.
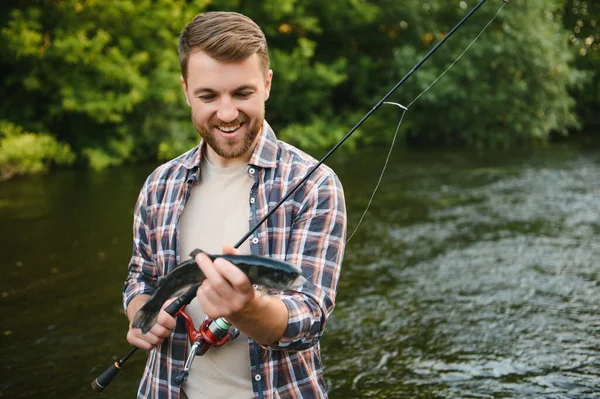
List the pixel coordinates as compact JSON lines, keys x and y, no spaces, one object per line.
{"x":228,"y":104}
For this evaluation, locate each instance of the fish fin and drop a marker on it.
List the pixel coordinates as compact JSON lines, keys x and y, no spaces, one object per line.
{"x":147,"y":315}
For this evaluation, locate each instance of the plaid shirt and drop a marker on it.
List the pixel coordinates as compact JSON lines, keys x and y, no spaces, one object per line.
{"x":307,"y":230}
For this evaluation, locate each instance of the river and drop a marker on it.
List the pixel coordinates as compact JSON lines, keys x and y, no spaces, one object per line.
{"x":473,"y":275}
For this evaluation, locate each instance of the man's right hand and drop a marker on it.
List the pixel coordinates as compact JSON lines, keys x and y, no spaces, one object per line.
{"x":163,"y":327}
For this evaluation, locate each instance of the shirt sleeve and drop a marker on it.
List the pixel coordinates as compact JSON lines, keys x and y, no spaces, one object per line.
{"x":142,"y":272}
{"x":317,"y":240}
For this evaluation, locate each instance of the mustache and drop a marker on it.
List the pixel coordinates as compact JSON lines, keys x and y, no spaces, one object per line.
{"x":238,"y":121}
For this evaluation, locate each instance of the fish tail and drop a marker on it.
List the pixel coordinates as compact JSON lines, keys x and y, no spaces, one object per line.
{"x":174,"y":283}
{"x":146,"y":316}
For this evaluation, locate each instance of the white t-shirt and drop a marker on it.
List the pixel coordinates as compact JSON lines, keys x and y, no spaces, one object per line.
{"x":217,"y":213}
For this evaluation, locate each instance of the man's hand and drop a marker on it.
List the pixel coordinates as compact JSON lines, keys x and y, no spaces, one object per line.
{"x":227,"y":292}
{"x":160,"y":330}
{"x":226,"y":289}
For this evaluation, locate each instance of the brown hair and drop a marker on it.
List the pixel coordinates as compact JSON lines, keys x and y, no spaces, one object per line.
{"x":225,"y":36}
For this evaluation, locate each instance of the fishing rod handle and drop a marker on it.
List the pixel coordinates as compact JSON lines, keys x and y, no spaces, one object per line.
{"x":105,"y":378}
{"x":110,"y":373}
{"x":102,"y":381}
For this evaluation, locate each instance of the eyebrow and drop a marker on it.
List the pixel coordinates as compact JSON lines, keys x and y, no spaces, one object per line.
{"x":209,"y":90}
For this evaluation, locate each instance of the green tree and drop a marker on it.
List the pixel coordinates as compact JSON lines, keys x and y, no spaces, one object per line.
{"x":94,"y":73}
{"x":104,"y":76}
{"x":511,"y":87}
{"x":582,"y":19}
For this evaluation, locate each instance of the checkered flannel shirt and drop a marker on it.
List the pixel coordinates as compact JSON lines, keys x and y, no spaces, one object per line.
{"x":308,"y":230}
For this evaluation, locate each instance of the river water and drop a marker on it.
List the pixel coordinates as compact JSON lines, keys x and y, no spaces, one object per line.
{"x":473,"y":275}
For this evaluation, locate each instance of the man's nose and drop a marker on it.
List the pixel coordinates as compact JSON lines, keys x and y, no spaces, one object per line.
{"x":227,"y":111}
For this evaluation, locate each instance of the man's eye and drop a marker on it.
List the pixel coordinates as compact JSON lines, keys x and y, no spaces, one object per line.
{"x":244,"y":94}
{"x":208,"y":97}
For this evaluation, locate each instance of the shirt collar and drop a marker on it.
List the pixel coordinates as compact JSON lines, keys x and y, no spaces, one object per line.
{"x":191,"y":160}
{"x":265,"y":152}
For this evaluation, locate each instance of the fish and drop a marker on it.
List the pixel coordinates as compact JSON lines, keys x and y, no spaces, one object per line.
{"x":269,"y":273}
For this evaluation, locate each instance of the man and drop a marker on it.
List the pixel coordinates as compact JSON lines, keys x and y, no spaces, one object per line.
{"x":211,"y":196}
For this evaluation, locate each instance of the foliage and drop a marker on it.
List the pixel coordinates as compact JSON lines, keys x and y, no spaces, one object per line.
{"x":92,"y":72}
{"x":520,"y":66}
{"x":104,"y":76}
{"x":179,"y":137}
{"x":319,"y":133}
{"x":25,"y":153}
{"x":582,"y":18}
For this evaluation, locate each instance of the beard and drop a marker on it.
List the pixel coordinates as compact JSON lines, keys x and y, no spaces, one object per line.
{"x":223,"y":147}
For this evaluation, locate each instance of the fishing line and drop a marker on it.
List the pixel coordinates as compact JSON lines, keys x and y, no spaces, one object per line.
{"x":382,"y":171}
{"x":404,"y":112}
{"x":459,"y":57}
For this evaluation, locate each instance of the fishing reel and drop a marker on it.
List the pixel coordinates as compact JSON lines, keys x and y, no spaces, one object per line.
{"x":211,"y":333}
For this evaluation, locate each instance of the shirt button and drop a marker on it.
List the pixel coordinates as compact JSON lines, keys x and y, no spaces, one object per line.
{"x":251,"y":171}
{"x":255,"y":240}
{"x":257,"y":377}
{"x":252,"y":200}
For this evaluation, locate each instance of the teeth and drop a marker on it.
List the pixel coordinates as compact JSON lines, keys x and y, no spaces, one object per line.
{"x":229,"y":129}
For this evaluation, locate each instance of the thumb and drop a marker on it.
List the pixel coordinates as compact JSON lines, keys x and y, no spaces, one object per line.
{"x":230,"y":250}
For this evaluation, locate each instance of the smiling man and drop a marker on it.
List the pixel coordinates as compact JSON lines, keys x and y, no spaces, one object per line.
{"x":228,"y":104}
{"x":211,"y":196}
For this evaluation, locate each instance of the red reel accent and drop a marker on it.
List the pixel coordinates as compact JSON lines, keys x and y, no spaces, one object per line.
{"x":207,"y":337}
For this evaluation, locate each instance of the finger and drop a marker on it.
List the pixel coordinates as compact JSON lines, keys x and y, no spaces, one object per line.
{"x":230,"y":250}
{"x":217,"y":306}
{"x":165,"y":320}
{"x":212,"y":304}
{"x":160,"y":331}
{"x":234,"y":275}
{"x":204,"y":263}
{"x":152,"y":338}
{"x":143,"y":341}
{"x":136,"y":341}
{"x":237,"y":279}
{"x":208,"y":296}
{"x":217,"y":280}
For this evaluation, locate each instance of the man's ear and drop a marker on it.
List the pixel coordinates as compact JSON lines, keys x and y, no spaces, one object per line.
{"x":184,"y":87}
{"x":268,"y":80}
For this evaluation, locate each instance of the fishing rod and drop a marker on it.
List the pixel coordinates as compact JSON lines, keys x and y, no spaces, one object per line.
{"x":107,"y":376}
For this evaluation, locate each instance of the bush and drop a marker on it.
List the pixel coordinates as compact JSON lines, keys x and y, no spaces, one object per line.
{"x":28,"y":153}
{"x":582,"y":18}
{"x":511,"y":88}
{"x":103,"y":76}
